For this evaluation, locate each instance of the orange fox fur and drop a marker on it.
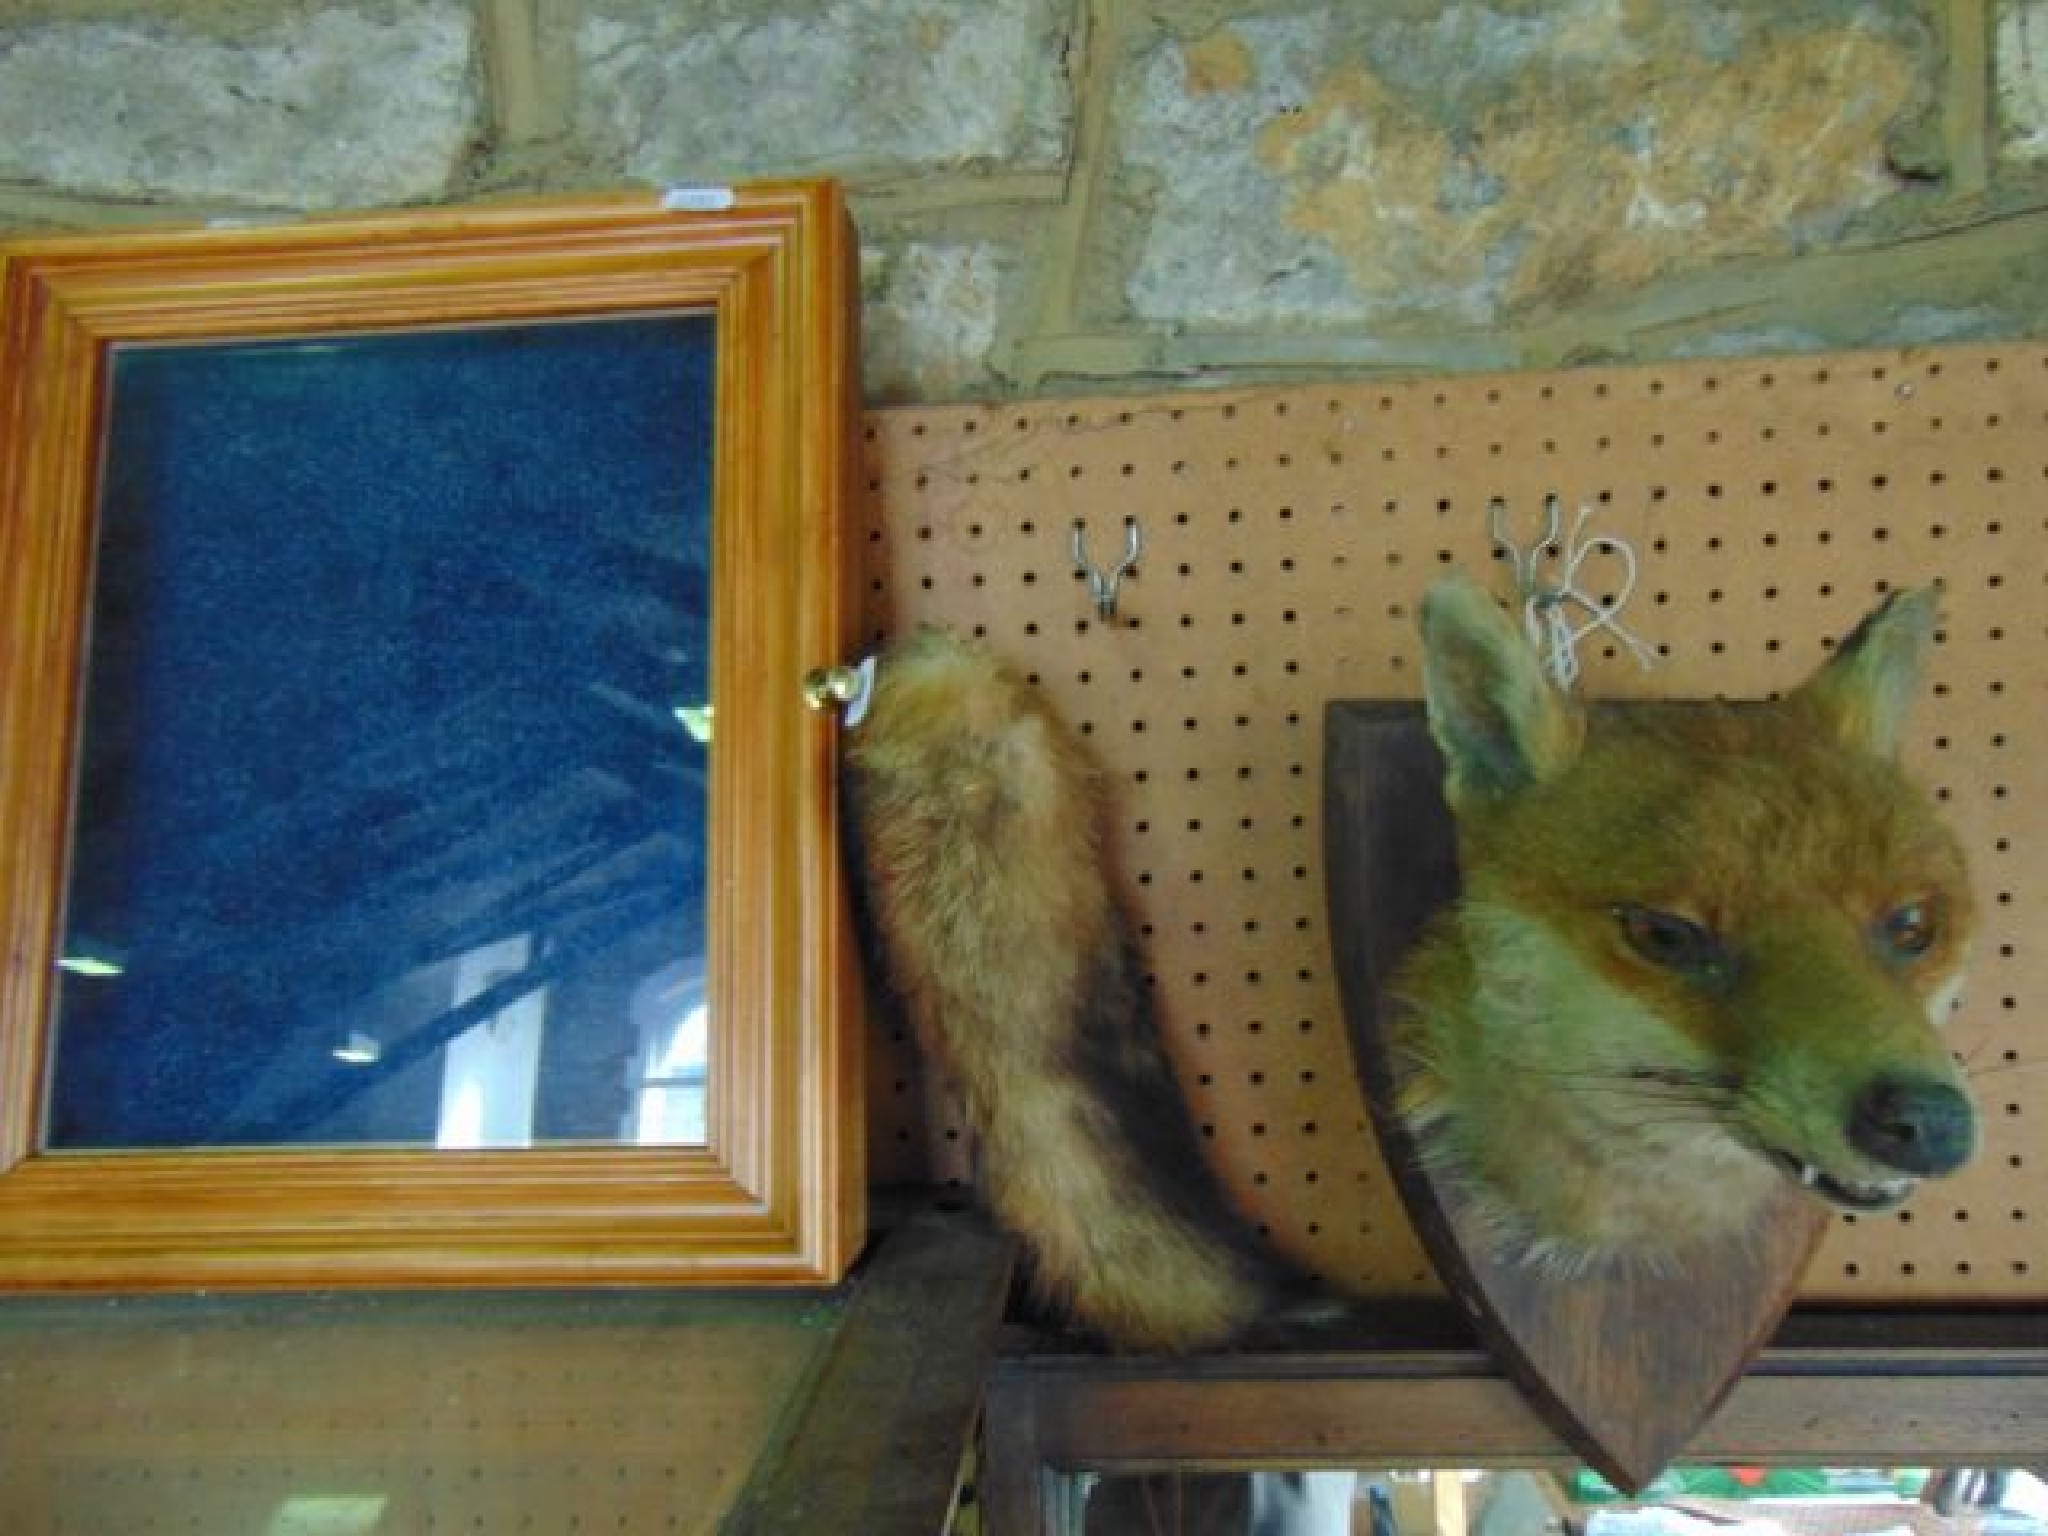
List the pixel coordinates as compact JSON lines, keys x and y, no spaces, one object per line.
{"x":1700,"y":949}
{"x":980,"y":819}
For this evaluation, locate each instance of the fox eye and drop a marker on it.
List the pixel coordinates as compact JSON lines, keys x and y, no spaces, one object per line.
{"x":1672,"y":942}
{"x":1910,"y":930}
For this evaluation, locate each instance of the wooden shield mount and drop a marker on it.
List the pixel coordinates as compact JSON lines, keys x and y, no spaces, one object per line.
{"x":1624,"y":1361}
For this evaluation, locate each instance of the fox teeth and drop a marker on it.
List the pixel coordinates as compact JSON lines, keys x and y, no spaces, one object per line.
{"x":1882,"y":1192}
{"x":1878,"y":1195}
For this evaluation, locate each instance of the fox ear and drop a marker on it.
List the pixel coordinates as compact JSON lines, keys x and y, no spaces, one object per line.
{"x":1499,"y":721}
{"x":1866,"y":687}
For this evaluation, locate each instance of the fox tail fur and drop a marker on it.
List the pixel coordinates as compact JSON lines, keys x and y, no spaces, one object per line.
{"x":979,"y":821}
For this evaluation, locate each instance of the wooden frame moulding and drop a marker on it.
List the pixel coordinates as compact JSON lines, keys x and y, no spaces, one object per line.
{"x":778,"y":1193}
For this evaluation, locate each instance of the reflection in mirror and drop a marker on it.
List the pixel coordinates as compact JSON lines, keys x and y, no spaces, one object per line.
{"x":673,"y":1018}
{"x":390,"y":823}
{"x":1685,"y":1501}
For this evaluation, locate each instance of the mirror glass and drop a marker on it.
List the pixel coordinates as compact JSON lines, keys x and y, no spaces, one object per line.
{"x":389,"y":825}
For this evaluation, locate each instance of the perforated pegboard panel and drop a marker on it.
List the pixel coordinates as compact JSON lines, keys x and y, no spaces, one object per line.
{"x":632,"y":1416}
{"x":1289,"y":534}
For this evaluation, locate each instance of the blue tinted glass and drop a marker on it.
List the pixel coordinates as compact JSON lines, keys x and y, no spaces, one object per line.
{"x":390,"y":817}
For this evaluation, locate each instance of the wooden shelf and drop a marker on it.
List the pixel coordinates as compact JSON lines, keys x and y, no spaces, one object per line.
{"x":1835,"y":1389}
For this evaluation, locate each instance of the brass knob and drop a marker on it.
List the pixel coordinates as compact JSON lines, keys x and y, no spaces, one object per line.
{"x":833,"y":687}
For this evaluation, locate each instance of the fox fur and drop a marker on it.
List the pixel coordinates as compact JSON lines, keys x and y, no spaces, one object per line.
{"x":987,"y":890}
{"x":1700,"y":949}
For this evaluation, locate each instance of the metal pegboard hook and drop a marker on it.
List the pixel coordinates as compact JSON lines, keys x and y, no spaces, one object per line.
{"x":1558,"y":610}
{"x":1103,"y":585}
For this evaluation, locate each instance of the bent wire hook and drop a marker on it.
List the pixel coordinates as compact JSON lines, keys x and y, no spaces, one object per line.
{"x":1103,"y":585}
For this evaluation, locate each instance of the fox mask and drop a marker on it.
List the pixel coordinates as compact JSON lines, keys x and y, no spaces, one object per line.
{"x":1700,"y":948}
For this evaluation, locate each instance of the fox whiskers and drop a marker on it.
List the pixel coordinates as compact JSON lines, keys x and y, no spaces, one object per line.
{"x":2009,"y":1064}
{"x":1673,"y":1087}
{"x":1625,"y":1099}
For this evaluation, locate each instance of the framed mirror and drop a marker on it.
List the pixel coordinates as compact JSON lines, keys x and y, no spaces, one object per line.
{"x":421,"y":864}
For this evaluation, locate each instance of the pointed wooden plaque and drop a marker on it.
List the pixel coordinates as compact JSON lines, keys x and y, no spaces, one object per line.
{"x":1624,"y":1361}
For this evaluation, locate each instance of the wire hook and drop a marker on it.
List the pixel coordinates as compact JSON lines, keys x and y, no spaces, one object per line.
{"x":1103,"y":585}
{"x":1551,"y":608}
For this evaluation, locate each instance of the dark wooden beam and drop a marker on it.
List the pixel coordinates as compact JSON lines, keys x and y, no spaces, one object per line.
{"x":879,"y":1441}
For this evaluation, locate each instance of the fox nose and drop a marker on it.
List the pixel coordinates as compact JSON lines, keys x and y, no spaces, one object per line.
{"x":1916,"y":1125}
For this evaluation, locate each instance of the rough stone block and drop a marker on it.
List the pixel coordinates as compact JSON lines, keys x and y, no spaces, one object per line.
{"x":929,"y":319}
{"x":877,"y":87}
{"x":336,"y":107}
{"x":2021,"y":72}
{"x":1467,"y":163}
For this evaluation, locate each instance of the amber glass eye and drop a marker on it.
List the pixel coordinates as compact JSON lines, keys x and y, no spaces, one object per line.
{"x":1675,"y":943}
{"x":1911,"y":929}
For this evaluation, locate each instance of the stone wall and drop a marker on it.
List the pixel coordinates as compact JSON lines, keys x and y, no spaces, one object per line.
{"x":1059,"y":195}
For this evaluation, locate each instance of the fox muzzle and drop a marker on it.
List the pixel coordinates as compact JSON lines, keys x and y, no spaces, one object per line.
{"x":1918,"y":1125}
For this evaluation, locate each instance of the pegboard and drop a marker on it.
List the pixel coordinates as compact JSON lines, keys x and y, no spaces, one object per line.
{"x":302,"y":1416}
{"x":1289,"y":534}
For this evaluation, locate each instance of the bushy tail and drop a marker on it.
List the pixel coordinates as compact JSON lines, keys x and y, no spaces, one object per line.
{"x":980,"y":825}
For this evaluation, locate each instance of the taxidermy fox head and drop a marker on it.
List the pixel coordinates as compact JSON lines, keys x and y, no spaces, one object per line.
{"x":1700,"y":948}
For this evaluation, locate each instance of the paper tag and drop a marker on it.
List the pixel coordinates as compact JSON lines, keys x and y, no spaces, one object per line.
{"x":698,"y":199}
